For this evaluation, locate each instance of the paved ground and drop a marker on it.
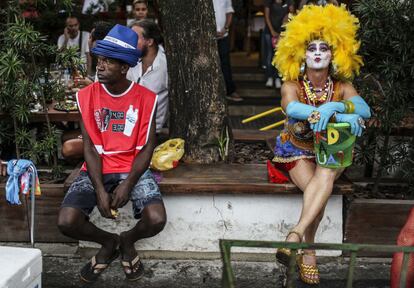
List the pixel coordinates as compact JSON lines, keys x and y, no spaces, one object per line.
{"x":62,"y":263}
{"x":62,"y":271}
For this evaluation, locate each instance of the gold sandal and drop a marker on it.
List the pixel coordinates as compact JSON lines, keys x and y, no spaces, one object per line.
{"x":309,"y":274}
{"x":283,"y":254}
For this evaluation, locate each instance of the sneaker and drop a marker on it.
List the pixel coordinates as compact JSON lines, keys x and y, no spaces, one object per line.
{"x":269,"y":82}
{"x":278,"y":83}
{"x":234,"y":97}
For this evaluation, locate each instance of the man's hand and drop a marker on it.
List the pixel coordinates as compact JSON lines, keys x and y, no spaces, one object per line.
{"x":80,"y":82}
{"x":66,"y":33}
{"x":103,"y":202}
{"x":121,"y":195}
{"x":220,"y":34}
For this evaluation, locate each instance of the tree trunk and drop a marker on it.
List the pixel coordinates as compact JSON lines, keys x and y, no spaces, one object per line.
{"x":197,"y":108}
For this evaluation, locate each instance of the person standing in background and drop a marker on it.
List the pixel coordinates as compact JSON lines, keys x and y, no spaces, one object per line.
{"x":223,"y":11}
{"x":276,"y":12}
{"x":317,"y":2}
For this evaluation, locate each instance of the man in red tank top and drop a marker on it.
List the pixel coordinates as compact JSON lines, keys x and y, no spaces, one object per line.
{"x":118,"y":129}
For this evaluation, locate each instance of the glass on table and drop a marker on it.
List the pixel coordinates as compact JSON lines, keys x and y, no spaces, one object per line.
{"x":55,"y":72}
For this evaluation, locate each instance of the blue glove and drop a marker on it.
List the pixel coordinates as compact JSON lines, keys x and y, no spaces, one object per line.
{"x":299,"y":110}
{"x":361,"y":107}
{"x":354,"y":120}
{"x":326,"y":111}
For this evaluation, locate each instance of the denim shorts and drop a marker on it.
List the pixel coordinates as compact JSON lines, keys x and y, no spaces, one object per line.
{"x":81,"y":193}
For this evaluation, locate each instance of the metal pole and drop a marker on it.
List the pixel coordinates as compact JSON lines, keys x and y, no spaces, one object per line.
{"x":260,"y":115}
{"x":274,"y":125}
{"x":403,"y":275}
{"x":291,"y":269}
{"x":228,"y":276}
{"x":32,"y":198}
{"x":351,"y":269}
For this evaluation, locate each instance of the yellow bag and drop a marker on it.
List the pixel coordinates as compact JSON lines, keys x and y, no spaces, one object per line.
{"x":167,"y":154}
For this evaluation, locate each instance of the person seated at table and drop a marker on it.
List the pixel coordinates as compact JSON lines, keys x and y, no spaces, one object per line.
{"x":98,"y":32}
{"x":73,"y":37}
{"x":72,"y":147}
{"x":140,"y":9}
{"x":151,"y":70}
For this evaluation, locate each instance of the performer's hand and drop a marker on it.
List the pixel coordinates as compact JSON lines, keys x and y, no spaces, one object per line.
{"x":121,"y":195}
{"x":326,"y":111}
{"x":103,"y":200}
{"x":357,"y":123}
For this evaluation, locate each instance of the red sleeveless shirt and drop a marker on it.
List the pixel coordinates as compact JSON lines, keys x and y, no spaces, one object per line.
{"x":118,"y":125}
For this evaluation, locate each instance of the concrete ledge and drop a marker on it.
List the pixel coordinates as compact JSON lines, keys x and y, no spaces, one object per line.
{"x":205,"y":203}
{"x":196,"y":222}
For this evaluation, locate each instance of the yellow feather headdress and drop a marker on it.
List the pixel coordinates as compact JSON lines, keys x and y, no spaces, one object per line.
{"x":332,"y":24}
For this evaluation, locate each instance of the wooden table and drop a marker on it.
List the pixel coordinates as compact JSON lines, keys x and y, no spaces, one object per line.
{"x":54,"y":115}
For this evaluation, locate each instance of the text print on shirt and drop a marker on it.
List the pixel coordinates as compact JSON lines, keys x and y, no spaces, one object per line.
{"x":105,"y":115}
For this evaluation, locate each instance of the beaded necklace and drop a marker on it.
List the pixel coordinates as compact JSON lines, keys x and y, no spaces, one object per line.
{"x":310,"y":91}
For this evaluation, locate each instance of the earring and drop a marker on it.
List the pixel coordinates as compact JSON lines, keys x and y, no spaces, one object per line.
{"x":302,"y":68}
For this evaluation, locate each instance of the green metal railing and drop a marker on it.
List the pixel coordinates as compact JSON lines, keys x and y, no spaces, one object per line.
{"x":228,"y":280}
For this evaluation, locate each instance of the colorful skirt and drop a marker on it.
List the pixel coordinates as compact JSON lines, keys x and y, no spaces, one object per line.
{"x":293,"y":143}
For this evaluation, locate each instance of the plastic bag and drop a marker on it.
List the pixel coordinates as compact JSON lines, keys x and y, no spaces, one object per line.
{"x":167,"y":155}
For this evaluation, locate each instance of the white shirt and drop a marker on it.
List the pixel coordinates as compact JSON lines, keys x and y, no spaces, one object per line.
{"x":95,"y":6}
{"x":221,"y":8}
{"x":156,"y":80}
{"x":75,"y":42}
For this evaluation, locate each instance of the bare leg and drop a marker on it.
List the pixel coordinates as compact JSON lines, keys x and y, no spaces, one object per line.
{"x":73,"y":149}
{"x":313,"y":227}
{"x":305,"y":174}
{"x":152,"y":222}
{"x":73,"y":223}
{"x":301,"y":175}
{"x":316,"y":196}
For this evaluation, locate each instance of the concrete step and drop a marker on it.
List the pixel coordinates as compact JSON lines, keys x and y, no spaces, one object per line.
{"x":244,"y":59}
{"x":249,"y":110}
{"x":257,"y":93}
{"x":250,"y":76}
{"x":236,"y":121}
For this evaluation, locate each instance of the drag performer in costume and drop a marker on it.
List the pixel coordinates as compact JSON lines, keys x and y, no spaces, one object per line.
{"x":317,"y":56}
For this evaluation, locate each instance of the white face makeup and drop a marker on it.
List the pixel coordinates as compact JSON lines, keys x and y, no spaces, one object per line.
{"x":318,"y":55}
